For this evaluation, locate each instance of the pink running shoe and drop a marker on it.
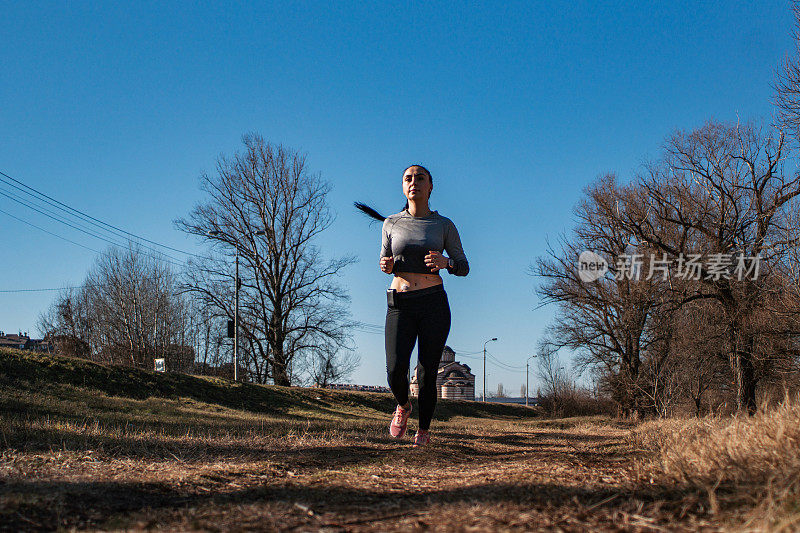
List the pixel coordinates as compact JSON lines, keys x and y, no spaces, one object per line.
{"x":422,"y":438}
{"x":399,"y":422}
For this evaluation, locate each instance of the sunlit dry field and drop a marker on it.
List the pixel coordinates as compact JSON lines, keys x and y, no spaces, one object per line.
{"x":100,"y":450}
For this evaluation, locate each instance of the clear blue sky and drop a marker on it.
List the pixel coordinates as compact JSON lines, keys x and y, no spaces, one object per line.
{"x":514,"y":107}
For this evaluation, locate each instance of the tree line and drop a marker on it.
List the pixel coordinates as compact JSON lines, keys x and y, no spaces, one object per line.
{"x":680,"y":288}
{"x":262,"y":214}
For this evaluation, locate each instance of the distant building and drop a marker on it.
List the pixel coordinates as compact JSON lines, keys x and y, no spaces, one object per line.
{"x":23,"y":342}
{"x":454,"y":380}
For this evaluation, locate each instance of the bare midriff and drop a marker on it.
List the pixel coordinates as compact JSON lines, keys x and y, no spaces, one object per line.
{"x":412,"y":281}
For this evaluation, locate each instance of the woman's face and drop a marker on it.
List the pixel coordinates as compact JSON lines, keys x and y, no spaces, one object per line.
{"x":416,"y":184}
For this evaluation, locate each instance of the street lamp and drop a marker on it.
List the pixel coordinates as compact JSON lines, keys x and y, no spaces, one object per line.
{"x":215,"y":233}
{"x":526,"y":379}
{"x":484,"y":367}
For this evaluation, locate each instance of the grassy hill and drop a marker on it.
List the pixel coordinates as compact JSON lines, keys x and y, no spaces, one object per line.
{"x":48,"y":400}
{"x":66,"y":377}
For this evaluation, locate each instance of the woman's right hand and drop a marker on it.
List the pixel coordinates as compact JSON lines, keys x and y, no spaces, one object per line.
{"x":387,"y":264}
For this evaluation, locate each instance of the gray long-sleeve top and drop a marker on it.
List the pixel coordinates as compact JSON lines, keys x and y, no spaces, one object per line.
{"x":409,"y":239}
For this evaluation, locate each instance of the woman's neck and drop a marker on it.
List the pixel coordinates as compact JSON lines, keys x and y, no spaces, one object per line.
{"x":418,"y":209}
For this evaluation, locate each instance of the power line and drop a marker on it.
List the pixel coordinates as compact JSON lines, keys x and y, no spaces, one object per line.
{"x":171,"y":259}
{"x":502,"y":364}
{"x":49,"y":289}
{"x":466,"y":352}
{"x":6,"y":291}
{"x":375,"y":326}
{"x":367,"y":330}
{"x":473,"y":355}
{"x":506,"y":366}
{"x":85,"y":285}
{"x":507,"y":369}
{"x":77,"y":213}
{"x":80,"y":214}
{"x":24,"y":201}
{"x":48,"y":232}
{"x":58,"y":217}
{"x":161,"y":257}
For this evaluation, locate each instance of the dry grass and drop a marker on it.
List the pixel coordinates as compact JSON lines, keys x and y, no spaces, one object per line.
{"x":747,"y":469}
{"x":169,"y":453}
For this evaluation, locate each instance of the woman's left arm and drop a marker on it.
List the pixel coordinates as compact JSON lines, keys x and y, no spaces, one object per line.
{"x":452,"y":244}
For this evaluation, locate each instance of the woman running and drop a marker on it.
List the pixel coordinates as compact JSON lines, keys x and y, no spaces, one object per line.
{"x":417,"y":307}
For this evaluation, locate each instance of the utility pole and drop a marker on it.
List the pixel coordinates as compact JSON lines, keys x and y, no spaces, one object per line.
{"x":484,"y":367}
{"x":238,"y":282}
{"x":526,"y":379}
{"x":236,"y":324}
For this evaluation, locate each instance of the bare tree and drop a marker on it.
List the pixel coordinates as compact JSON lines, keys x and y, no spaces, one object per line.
{"x":787,"y":87}
{"x":560,"y":388}
{"x":206,"y":332}
{"x":659,"y":385}
{"x":603,"y":320}
{"x":127,"y":312}
{"x":719,"y":196}
{"x":135,"y":307}
{"x":68,"y":324}
{"x":331,"y":365}
{"x":264,"y":203}
{"x":701,"y":351}
{"x":721,"y":191}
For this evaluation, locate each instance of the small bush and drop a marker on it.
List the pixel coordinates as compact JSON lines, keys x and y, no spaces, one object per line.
{"x":575,"y":402}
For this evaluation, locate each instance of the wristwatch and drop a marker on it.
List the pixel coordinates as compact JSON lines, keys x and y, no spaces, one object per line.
{"x":450,"y":263}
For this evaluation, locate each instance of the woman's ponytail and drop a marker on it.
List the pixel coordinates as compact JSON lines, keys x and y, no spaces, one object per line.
{"x":369,"y":211}
{"x":377,"y":216}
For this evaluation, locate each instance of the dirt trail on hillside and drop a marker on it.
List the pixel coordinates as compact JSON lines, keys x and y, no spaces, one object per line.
{"x":474,"y":476}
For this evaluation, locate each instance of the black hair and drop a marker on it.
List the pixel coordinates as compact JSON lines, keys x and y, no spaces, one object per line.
{"x":377,"y":216}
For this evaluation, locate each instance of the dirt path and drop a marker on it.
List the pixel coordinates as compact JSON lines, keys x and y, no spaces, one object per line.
{"x":475,"y":475}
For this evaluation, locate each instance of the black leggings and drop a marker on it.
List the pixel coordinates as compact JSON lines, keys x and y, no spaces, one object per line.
{"x":423,"y":313}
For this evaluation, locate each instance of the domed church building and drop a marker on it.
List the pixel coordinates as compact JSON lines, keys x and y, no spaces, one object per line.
{"x":454,"y":381}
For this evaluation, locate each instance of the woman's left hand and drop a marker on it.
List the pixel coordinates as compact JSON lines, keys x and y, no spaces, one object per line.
{"x":435,"y":260}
